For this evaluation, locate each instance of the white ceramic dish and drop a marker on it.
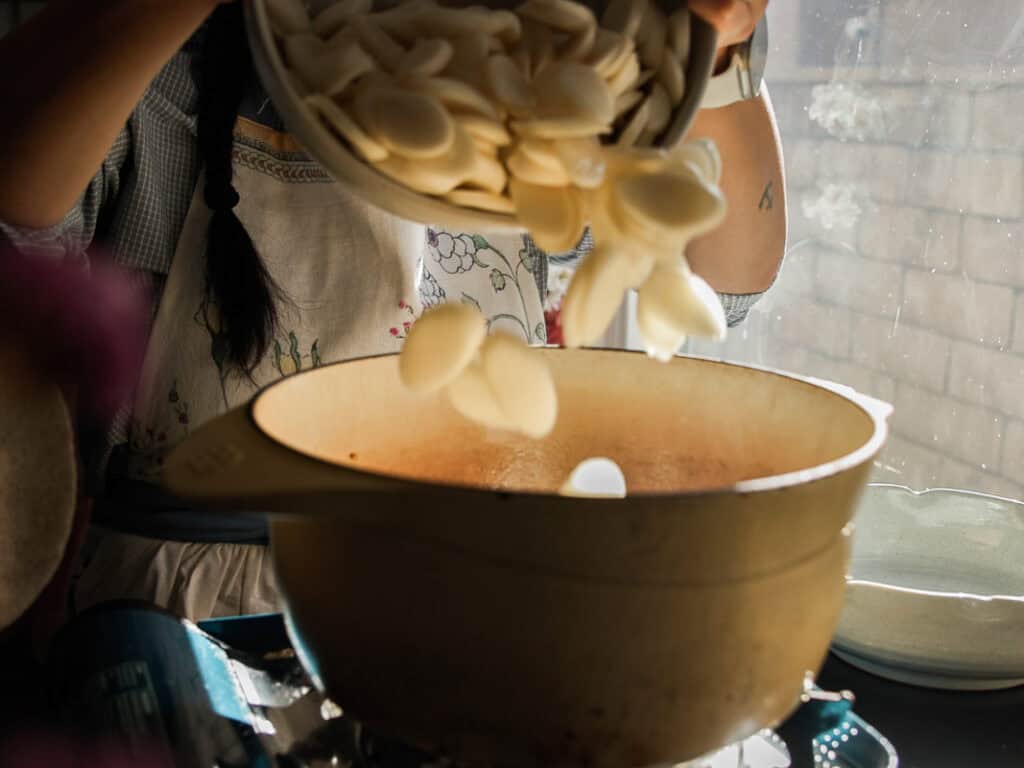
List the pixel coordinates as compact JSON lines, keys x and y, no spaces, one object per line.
{"x":332,"y":154}
{"x":935,"y":594}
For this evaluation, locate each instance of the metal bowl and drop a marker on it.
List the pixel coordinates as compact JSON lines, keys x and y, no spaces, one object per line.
{"x":336,"y":159}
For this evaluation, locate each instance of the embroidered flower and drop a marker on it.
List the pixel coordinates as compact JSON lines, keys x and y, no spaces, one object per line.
{"x":291,"y":361}
{"x":285,"y":365}
{"x":558,"y":284}
{"x":454,"y":254}
{"x":497,"y":280}
{"x":431,"y":292}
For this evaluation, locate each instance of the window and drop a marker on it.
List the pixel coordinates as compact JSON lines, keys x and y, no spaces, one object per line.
{"x":903,"y":127}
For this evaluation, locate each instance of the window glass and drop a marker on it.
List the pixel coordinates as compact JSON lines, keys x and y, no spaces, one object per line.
{"x":903,"y":129}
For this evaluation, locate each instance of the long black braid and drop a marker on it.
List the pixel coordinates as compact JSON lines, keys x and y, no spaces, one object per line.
{"x":236,"y":277}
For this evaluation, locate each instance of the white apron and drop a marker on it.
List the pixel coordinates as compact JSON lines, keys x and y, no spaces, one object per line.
{"x":353,"y":278}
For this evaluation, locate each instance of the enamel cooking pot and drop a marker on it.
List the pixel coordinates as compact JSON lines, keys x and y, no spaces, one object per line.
{"x":440,"y":590}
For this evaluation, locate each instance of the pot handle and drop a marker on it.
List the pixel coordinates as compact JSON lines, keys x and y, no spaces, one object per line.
{"x":878,"y":409}
{"x":228,"y":462}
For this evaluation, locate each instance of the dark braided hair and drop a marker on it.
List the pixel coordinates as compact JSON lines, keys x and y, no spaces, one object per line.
{"x":236,"y":278}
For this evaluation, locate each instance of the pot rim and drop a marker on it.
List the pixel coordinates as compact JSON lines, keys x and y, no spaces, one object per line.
{"x":877,"y":410}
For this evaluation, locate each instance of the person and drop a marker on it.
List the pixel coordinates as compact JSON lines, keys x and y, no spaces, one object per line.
{"x":68,"y":339}
{"x":140,"y":124}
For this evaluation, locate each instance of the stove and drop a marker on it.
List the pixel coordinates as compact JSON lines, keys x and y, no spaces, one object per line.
{"x":231,"y":693}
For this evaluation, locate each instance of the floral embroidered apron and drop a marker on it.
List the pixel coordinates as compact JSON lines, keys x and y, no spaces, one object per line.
{"x":354,"y":279}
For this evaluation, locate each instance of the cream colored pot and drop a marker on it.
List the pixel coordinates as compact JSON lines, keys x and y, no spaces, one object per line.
{"x":441,"y":591}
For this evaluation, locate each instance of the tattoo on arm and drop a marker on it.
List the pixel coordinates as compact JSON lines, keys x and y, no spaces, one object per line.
{"x":765,"y":203}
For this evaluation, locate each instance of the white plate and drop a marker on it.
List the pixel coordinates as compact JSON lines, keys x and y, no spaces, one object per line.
{"x":935,"y":595}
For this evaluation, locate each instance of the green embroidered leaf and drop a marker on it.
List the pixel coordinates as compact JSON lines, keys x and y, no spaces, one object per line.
{"x":527,"y":259}
{"x":172,"y":396}
{"x":497,"y":280}
{"x":467,"y":299}
{"x":479,"y":244}
{"x":314,"y":353}
{"x":293,"y":350}
{"x":277,"y":356}
{"x":541,"y":332}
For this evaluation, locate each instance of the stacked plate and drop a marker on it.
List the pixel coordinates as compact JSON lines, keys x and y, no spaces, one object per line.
{"x":935,"y":594}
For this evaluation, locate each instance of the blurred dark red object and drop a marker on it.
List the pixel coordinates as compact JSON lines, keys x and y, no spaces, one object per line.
{"x":44,"y":749}
{"x":553,"y":322}
{"x":86,"y":326}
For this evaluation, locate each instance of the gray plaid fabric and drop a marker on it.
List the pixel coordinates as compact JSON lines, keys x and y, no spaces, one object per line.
{"x":137,"y":202}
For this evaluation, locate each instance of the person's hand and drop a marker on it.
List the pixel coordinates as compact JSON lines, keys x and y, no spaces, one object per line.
{"x":733,"y":20}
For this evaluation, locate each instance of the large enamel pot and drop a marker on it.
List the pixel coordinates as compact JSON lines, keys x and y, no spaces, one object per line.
{"x":439,"y":589}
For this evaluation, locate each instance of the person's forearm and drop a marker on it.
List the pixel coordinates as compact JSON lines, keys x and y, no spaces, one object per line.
{"x":73,"y":74}
{"x":743,"y":255}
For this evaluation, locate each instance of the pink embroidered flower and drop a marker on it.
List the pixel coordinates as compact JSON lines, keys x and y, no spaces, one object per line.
{"x":401,"y":305}
{"x":406,"y":325}
{"x":394,"y":331}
